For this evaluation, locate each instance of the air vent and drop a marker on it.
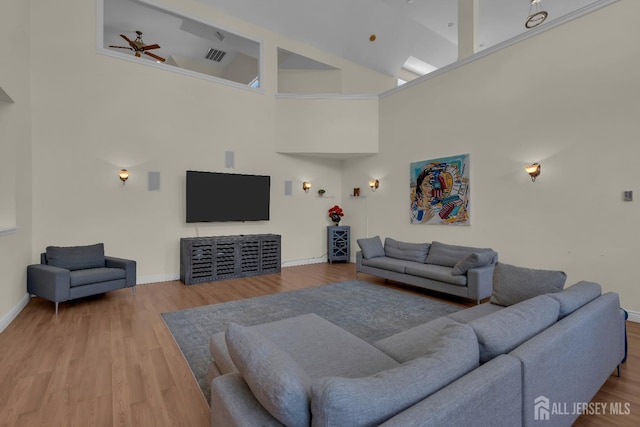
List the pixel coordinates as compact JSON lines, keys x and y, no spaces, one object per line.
{"x":215,"y":55}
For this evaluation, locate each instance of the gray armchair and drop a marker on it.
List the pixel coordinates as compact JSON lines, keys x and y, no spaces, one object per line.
{"x":67,"y":273}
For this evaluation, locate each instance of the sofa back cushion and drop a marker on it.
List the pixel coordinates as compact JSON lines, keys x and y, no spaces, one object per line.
{"x":504,"y":330}
{"x":275,"y":379}
{"x":407,"y":251}
{"x":337,"y":401}
{"x":449,"y":255}
{"x":576,"y":296}
{"x":512,"y":284}
{"x":371,"y":247}
{"x":76,"y":257}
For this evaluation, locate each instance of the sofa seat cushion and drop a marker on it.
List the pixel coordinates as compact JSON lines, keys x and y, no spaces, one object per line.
{"x":95,"y":275}
{"x":436,"y":272}
{"x":277,"y":381}
{"x":475,"y":312}
{"x":449,"y":255}
{"x":416,"y":252}
{"x":371,"y":247}
{"x":76,"y":257}
{"x":512,"y":284}
{"x":414,"y":342}
{"x":391,"y":264}
{"x":504,"y":330}
{"x":367,"y":401}
{"x":320,"y":347}
{"x":576,"y":296}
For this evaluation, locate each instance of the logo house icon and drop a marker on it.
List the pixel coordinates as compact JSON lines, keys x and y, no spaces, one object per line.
{"x":541,"y":408}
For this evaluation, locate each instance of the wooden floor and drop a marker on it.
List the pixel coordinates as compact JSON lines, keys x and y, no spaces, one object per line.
{"x":110,"y":360}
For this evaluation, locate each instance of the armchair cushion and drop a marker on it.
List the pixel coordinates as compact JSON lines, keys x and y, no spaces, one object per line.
{"x":76,"y":257}
{"x":95,"y":275}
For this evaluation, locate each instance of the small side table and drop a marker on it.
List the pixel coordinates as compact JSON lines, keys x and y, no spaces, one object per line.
{"x":338,"y":243}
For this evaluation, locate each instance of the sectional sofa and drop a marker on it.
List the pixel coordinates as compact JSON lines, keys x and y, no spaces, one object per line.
{"x":486,"y":365}
{"x":463,"y":271}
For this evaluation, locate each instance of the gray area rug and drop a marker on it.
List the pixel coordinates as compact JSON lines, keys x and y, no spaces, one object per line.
{"x":369,"y":311}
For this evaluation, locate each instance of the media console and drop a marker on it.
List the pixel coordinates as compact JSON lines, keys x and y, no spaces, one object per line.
{"x":207,"y":259}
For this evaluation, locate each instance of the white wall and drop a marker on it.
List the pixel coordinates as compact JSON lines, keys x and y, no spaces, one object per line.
{"x":15,"y":158}
{"x":568,"y":98}
{"x":94,"y":114}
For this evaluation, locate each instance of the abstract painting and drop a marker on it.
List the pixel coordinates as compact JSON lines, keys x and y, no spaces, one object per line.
{"x":440,"y":191}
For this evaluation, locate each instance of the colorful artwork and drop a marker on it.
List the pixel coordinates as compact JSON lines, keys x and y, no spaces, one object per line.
{"x":440,"y":191}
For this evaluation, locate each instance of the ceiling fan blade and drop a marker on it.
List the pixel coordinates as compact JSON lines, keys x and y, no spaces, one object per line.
{"x":151,"y":46}
{"x":122,"y":47}
{"x":126,"y":38}
{"x":156,"y":57}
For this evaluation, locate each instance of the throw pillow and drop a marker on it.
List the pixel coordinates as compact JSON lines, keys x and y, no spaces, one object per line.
{"x":371,"y":247}
{"x":76,"y":257}
{"x":449,"y":255}
{"x":416,"y":252}
{"x":474,"y":260}
{"x":513,"y":284}
{"x":275,"y":379}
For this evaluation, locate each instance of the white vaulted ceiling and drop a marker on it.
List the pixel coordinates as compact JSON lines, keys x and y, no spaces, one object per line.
{"x":422,"y":29}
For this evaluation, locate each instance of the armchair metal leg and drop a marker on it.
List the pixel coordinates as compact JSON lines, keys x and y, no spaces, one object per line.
{"x":56,"y":308}
{"x":134,"y":290}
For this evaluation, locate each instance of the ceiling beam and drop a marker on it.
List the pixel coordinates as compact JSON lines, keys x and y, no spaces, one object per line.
{"x":467,"y":28}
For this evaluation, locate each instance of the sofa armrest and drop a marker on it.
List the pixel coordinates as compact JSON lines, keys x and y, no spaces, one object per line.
{"x":47,"y":281}
{"x":127,"y":264}
{"x":233,"y":404}
{"x":480,"y":282}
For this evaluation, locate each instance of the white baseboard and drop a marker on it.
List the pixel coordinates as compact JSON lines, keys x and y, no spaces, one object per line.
{"x":159,"y":278}
{"x":634,"y":316}
{"x":13,"y":313}
{"x":317,"y":260}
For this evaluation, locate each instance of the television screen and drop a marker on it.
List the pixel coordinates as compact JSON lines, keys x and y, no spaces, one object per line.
{"x":220,"y":197}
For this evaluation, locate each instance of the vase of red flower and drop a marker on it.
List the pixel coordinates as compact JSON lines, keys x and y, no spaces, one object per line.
{"x":336,"y":213}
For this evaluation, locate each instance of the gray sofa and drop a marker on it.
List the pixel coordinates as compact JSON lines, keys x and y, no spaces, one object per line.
{"x":67,"y":273}
{"x":486,"y":365}
{"x":463,"y":271}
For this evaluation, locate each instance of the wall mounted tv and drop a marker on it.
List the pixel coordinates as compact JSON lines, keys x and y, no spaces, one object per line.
{"x":222,"y":197}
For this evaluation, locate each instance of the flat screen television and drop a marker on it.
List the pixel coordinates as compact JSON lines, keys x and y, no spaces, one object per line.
{"x":222,"y":197}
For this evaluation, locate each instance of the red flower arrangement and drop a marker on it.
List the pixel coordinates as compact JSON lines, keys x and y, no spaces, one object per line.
{"x":336,"y":213}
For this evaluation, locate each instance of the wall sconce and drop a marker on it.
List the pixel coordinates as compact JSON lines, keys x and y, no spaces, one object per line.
{"x":374,"y":185}
{"x":124,"y":175}
{"x":533,"y":170}
{"x":306,"y":186}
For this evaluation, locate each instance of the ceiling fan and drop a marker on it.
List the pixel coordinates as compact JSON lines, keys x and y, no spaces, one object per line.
{"x":139,"y":47}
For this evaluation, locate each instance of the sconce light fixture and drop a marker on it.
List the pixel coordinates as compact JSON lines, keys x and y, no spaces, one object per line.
{"x":306,"y":186}
{"x":374,"y":185}
{"x":124,"y":175}
{"x":533,"y":170}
